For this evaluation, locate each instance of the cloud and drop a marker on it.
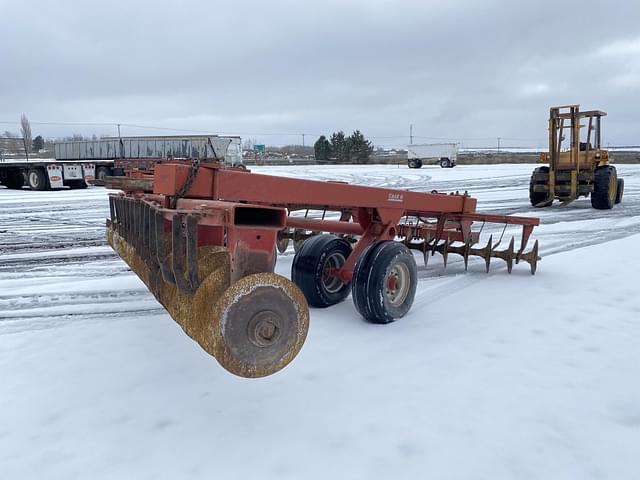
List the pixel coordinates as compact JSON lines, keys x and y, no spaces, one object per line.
{"x":457,"y":69}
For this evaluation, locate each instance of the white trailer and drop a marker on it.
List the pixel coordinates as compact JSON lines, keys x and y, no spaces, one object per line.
{"x":443,"y":154}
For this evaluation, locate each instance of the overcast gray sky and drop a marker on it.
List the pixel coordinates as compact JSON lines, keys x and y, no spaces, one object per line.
{"x":459,"y":69}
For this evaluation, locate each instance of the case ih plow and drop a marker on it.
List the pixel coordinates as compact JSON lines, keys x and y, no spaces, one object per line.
{"x":203,"y":239}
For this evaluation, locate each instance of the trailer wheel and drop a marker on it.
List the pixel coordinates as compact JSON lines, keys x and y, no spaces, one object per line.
{"x":37,"y":179}
{"x":102,"y":172}
{"x":539,"y":176}
{"x":620,"y":190}
{"x":384,"y":282}
{"x":415,"y":163}
{"x":312,"y":268}
{"x":14,"y":179}
{"x":445,"y":163}
{"x":605,"y":183}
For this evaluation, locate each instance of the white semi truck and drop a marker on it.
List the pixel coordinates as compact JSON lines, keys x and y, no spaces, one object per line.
{"x":443,"y":154}
{"x":78,"y":163}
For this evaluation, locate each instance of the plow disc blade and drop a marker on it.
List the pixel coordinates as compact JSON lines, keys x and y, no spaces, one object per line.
{"x":253,"y":327}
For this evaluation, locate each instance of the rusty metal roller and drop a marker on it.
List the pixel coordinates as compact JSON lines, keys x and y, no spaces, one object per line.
{"x":253,"y":327}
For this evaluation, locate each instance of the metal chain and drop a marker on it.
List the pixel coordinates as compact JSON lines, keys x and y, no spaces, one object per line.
{"x":191,"y":176}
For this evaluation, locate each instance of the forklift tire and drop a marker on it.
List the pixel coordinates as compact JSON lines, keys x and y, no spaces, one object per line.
{"x":37,"y":179}
{"x":620,"y":190}
{"x":311,"y":267}
{"x":539,"y":199}
{"x":605,"y":183}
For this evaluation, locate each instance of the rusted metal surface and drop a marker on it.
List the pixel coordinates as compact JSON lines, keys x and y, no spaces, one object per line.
{"x":129,"y":184}
{"x":262,"y":323}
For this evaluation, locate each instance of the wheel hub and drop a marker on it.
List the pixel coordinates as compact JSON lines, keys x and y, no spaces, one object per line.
{"x":332,"y":264}
{"x":397,"y":284}
{"x":263,"y":329}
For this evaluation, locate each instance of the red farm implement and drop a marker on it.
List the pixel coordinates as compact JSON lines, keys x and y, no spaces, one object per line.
{"x":203,"y":239}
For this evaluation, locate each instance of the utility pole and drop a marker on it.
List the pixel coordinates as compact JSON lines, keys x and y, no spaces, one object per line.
{"x":303,"y":140}
{"x":118,"y":130}
{"x":498,"y":144}
{"x":411,"y":134}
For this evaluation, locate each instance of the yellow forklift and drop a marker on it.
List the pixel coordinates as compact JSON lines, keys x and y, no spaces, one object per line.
{"x":576,"y":168}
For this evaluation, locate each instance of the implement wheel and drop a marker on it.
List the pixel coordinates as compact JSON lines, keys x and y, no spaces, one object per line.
{"x":540,"y":176}
{"x":605,"y":185}
{"x":384,"y":282}
{"x":313,"y":266}
{"x":260,"y":324}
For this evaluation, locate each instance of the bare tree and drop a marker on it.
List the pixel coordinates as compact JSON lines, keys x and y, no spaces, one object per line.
{"x":25,"y":130}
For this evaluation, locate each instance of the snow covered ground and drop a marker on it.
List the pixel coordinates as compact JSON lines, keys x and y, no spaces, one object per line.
{"x":489,"y":376}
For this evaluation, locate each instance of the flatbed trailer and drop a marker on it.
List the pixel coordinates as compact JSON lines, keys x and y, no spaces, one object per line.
{"x":46,"y":174}
{"x":78,"y":163}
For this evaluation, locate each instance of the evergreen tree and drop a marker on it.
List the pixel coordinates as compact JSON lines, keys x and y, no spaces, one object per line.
{"x":360,"y":148}
{"x":340,"y":147}
{"x":322,"y":149}
{"x":38,"y":143}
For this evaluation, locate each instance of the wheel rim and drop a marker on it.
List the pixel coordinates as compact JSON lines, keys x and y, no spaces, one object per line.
{"x":330,"y":282}
{"x":397,"y":284}
{"x":613,"y":185}
{"x":34,"y":180}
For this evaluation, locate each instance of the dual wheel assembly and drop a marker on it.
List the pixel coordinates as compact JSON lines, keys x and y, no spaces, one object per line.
{"x":384,"y":279}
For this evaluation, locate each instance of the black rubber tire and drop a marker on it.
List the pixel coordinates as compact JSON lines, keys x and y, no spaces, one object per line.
{"x":102,"y":172}
{"x":316,"y":254}
{"x":537,"y":199}
{"x":620,"y":190}
{"x":445,"y":163}
{"x":412,"y":163}
{"x":37,"y":179}
{"x":605,"y":181}
{"x":370,"y":284}
{"x":77,"y":184}
{"x":14,"y":179}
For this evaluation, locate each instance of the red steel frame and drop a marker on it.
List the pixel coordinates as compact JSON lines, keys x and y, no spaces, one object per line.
{"x":372,"y":213}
